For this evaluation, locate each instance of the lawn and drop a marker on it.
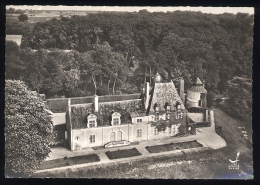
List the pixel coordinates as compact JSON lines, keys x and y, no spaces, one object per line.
{"x":123,"y":153}
{"x":69,"y":161}
{"x":173,"y":146}
{"x":204,"y":163}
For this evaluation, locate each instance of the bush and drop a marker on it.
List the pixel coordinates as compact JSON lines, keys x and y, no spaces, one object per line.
{"x":123,"y":153}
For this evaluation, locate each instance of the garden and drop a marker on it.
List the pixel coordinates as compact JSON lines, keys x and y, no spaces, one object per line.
{"x":122,"y":153}
{"x":173,"y":146}
{"x":69,"y":161}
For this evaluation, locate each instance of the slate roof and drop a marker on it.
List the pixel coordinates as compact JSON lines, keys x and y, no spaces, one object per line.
{"x":198,"y":81}
{"x":107,"y":98}
{"x":137,"y":114}
{"x":79,"y":112}
{"x":163,"y":93}
{"x":197,"y":86}
{"x":110,"y":98}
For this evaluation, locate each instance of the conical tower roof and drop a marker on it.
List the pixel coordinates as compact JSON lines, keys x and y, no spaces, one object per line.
{"x":198,"y":81}
{"x":198,"y":86}
{"x":157,"y":78}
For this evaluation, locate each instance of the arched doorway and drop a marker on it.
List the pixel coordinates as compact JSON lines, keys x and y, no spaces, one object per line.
{"x":112,"y":136}
{"x":119,"y":136}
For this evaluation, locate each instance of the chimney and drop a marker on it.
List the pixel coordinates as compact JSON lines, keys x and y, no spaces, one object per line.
{"x":96,"y":103}
{"x":181,"y":90}
{"x":147,"y":87}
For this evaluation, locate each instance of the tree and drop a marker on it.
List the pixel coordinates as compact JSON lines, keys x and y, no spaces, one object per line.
{"x":240,"y":97}
{"x":27,"y":126}
{"x":14,"y":66}
{"x":23,"y":17}
{"x":210,"y":98}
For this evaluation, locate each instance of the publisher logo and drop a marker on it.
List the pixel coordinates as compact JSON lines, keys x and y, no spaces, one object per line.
{"x":234,"y":163}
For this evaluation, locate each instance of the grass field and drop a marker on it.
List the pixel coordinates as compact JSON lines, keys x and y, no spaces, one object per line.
{"x":205,"y":164}
{"x":69,"y":161}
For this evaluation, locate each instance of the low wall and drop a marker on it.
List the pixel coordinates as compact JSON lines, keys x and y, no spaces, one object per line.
{"x":196,"y":117}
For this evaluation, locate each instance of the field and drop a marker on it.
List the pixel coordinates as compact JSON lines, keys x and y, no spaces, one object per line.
{"x":40,"y":17}
{"x":206,"y":164}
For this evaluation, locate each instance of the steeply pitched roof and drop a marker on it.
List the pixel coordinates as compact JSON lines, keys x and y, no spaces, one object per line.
{"x":198,"y":86}
{"x":79,"y":112}
{"x":107,"y":98}
{"x":198,"y":81}
{"x":137,"y":114}
{"x":163,"y":93}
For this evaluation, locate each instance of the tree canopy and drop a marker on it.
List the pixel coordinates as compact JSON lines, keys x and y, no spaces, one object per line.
{"x":23,"y":17}
{"x":27,"y":126}
{"x":218,"y":46}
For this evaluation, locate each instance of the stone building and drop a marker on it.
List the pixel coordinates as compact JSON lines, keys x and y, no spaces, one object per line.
{"x":158,"y":112}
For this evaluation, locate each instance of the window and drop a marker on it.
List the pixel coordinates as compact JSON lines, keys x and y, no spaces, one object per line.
{"x":156,"y":132}
{"x":168,"y":108}
{"x":92,"y":121}
{"x":91,"y":124}
{"x":116,"y":121}
{"x":178,"y":115}
{"x":139,"y":132}
{"x":92,"y":138}
{"x":178,"y":105}
{"x":139,"y":120}
{"x":167,"y":116}
{"x":156,"y":118}
{"x":156,"y":108}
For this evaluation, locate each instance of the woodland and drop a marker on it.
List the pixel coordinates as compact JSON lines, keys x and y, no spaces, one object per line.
{"x":116,"y":52}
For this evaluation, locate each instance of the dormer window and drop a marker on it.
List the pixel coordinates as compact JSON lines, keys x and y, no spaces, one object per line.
{"x":156,"y":117}
{"x":156,"y":108}
{"x":116,"y":119}
{"x":178,"y":105}
{"x":167,"y":116}
{"x":92,"y":121}
{"x":168,"y":108}
{"x":179,"y":115}
{"x":91,"y":124}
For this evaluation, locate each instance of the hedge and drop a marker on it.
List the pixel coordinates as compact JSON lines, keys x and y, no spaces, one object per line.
{"x":203,"y":124}
{"x":82,"y":100}
{"x":118,"y":97}
{"x":57,"y":105}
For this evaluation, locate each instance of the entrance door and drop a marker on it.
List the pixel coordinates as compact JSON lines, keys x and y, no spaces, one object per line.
{"x":119,"y":136}
{"x":112,"y":136}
